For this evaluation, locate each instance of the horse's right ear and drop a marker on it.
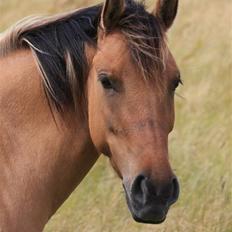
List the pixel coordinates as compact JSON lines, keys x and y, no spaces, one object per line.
{"x":111,"y":13}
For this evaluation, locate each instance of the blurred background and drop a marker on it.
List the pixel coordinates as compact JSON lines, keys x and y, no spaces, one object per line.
{"x":200,"y":145}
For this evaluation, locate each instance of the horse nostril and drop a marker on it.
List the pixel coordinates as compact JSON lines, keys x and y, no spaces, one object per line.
{"x":169,"y":193}
{"x":138,"y":188}
{"x":176,"y":190}
{"x":143,"y":190}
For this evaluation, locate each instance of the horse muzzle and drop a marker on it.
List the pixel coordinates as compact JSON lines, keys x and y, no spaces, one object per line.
{"x":150,"y":202}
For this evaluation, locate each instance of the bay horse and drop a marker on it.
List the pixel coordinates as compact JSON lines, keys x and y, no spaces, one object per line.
{"x":98,"y":80}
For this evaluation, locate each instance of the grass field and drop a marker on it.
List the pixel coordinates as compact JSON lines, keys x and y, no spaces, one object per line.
{"x":200,"y":145}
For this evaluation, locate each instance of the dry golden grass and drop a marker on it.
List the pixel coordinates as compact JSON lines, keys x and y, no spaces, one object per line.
{"x":201,"y":144}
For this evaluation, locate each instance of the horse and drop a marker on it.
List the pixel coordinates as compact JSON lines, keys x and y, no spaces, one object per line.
{"x":97,"y":80}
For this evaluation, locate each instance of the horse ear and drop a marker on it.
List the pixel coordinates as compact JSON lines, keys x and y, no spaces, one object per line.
{"x":111,"y":14}
{"x":166,"y":11}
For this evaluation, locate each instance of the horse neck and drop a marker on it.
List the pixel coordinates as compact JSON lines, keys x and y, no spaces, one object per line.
{"x":41,"y":160}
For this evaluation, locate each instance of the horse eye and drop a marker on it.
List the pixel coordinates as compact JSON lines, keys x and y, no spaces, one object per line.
{"x":106,"y":82}
{"x":176,"y":83}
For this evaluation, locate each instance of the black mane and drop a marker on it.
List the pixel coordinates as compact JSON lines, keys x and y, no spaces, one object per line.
{"x":54,"y":41}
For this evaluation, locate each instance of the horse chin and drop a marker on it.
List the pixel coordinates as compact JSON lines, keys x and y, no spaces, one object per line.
{"x":148,"y":217}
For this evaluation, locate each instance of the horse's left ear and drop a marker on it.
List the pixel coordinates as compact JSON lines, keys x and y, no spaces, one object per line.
{"x":166,"y":11}
{"x":111,"y":14}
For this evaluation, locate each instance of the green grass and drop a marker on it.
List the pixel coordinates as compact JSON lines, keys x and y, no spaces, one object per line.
{"x":200,"y":145}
